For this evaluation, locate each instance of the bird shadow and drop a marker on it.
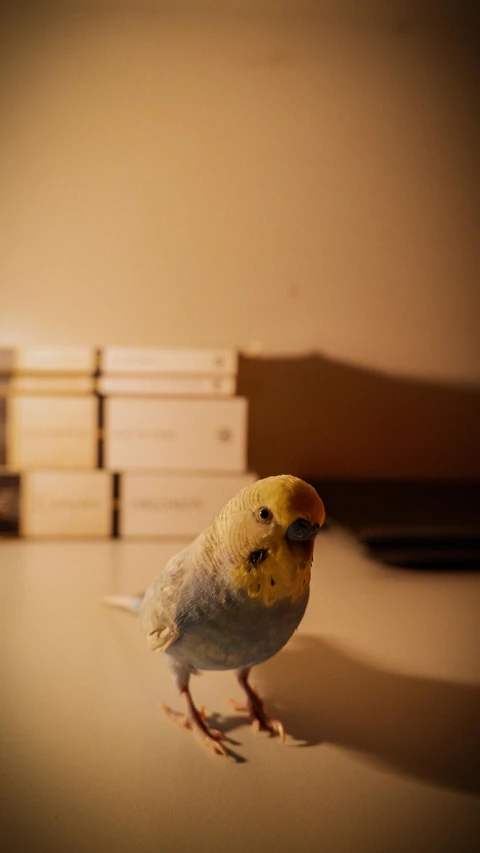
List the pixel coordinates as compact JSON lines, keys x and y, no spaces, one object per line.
{"x":421,"y":727}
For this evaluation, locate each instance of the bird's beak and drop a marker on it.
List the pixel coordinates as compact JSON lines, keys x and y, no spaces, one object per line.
{"x":301,"y":530}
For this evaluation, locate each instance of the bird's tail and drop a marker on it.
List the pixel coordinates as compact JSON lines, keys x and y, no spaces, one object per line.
{"x":124,"y":602}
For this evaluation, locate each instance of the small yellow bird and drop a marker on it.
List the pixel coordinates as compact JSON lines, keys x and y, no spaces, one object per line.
{"x":235,"y":596}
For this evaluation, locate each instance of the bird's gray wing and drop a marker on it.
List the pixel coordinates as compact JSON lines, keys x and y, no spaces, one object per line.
{"x":161,"y":606}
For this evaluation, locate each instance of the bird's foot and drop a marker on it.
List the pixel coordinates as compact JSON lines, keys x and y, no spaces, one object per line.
{"x":255,"y":709}
{"x":194,"y":720}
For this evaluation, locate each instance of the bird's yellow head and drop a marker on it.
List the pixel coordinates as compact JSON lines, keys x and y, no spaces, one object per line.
{"x":267,"y":535}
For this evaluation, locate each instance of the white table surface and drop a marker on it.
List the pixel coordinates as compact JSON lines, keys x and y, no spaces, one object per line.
{"x":380,"y":691}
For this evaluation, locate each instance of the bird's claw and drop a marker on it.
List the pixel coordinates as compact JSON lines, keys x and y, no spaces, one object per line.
{"x":213,"y":741}
{"x":261,"y":722}
{"x":210,"y":738}
{"x":277,"y":727}
{"x":267,"y":724}
{"x":215,"y":733}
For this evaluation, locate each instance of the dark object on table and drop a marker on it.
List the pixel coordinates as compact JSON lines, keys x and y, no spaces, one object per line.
{"x":424,"y":525}
{"x":9,"y":504}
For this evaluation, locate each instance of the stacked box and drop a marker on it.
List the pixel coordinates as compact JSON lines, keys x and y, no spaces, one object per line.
{"x":163,"y":424}
{"x":49,"y":431}
{"x":176,"y":434}
{"x":49,"y":415}
{"x":166,"y":386}
{"x":171,"y":361}
{"x":66,"y":504}
{"x":56,"y":504}
{"x":156,"y":505}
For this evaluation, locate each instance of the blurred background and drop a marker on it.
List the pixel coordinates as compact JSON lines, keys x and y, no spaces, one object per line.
{"x":296,"y":182}
{"x":296,"y":177}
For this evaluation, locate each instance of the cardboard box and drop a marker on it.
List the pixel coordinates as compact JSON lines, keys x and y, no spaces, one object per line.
{"x":194,"y":435}
{"x":66,"y":504}
{"x":167,"y":386}
{"x":51,"y":432}
{"x":158,"y":505}
{"x":48,"y":359}
{"x":168,"y":360}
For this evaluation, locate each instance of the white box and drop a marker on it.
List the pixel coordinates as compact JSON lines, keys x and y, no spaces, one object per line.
{"x":66,"y":504}
{"x":148,"y":361}
{"x":155,"y":505}
{"x":48,"y":359}
{"x":167,"y":386}
{"x":52,"y":432}
{"x":194,"y":435}
{"x":47,"y":384}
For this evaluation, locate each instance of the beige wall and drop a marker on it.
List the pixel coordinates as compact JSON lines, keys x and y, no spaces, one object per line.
{"x":312,"y":186}
{"x":181,"y":180}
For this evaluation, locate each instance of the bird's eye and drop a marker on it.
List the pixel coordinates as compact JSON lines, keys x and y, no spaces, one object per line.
{"x":264,"y":514}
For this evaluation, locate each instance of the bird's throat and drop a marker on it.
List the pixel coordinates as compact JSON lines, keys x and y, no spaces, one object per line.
{"x":277,"y":573}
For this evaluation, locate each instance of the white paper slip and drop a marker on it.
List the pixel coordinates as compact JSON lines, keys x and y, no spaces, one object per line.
{"x":51,"y":432}
{"x":167,"y":386}
{"x":48,"y":359}
{"x":169,"y":434}
{"x":66,"y":504}
{"x":45,"y":384}
{"x":173,"y":360}
{"x":158,"y":505}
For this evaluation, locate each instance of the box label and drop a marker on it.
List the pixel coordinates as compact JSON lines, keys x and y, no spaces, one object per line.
{"x":155,"y":505}
{"x":194,"y":435}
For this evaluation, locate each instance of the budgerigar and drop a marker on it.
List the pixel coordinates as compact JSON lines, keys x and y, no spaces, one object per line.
{"x":235,"y":595}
